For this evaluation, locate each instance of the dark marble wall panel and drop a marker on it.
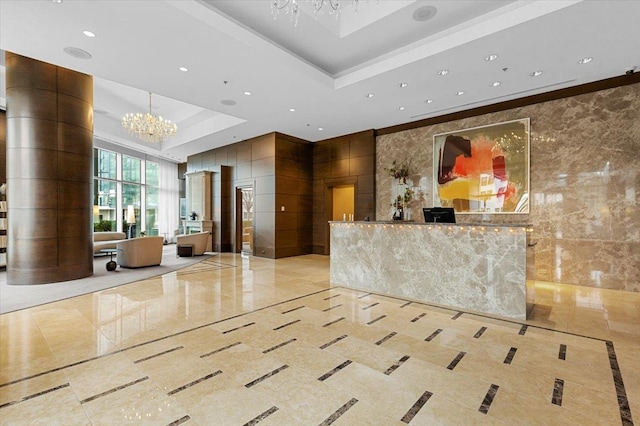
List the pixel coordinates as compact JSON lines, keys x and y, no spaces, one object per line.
{"x":584,"y":181}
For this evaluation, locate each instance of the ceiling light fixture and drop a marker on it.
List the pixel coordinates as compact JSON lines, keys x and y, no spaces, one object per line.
{"x":403,"y":85}
{"x":460,"y":93}
{"x":320,"y":128}
{"x":292,"y":109}
{"x":536,"y":73}
{"x":370,"y":95}
{"x":148,"y":127}
{"x":76,"y":52}
{"x":247,"y":93}
{"x":401,"y":108}
{"x":292,"y":8}
{"x":424,"y":13}
{"x":585,"y":60}
{"x":89,"y":33}
{"x":491,"y":57}
{"x":495,"y":84}
{"x":428,"y":101}
{"x":443,"y":72}
{"x":183,"y":69}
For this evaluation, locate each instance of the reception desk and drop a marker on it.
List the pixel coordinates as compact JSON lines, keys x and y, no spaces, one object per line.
{"x":479,"y":268}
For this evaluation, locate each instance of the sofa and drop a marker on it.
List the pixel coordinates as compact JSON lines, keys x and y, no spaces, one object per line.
{"x":140,"y":252}
{"x":107,"y":240}
{"x":199,"y":241}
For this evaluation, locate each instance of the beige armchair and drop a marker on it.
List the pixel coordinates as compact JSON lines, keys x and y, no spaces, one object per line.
{"x":140,"y":252}
{"x":199,"y":241}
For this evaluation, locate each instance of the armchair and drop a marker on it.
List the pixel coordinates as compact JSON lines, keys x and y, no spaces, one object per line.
{"x":140,"y":252}
{"x":199,"y":241}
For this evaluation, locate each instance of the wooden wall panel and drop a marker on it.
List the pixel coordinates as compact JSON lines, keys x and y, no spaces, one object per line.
{"x":49,"y":163}
{"x":348,"y":159}
{"x":294,"y":177}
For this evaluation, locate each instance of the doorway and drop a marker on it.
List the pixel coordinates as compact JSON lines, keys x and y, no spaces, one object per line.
{"x":340,"y":205}
{"x":343,"y":202}
{"x":244,"y":220}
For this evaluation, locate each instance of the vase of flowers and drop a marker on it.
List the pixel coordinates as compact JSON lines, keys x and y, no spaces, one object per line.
{"x":402,"y":193}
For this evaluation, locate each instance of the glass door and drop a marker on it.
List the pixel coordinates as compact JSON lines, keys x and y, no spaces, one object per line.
{"x":246,"y":214}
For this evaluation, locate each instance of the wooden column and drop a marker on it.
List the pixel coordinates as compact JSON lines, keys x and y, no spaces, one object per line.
{"x":49,"y":163}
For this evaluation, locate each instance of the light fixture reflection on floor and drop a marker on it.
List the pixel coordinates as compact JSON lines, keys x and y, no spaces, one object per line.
{"x":292,"y":8}
{"x":148,"y":127}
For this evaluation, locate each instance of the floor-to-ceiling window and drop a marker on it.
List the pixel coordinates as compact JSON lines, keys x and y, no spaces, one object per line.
{"x":128,"y":185}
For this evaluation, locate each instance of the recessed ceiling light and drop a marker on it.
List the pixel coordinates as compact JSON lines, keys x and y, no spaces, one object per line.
{"x":495,"y":84}
{"x":320,"y":128}
{"x":370,"y":95}
{"x":292,"y":109}
{"x":183,"y":69}
{"x":88,"y":33}
{"x":77,"y":52}
{"x":460,"y":93}
{"x":401,"y":108}
{"x":424,"y":13}
{"x":56,"y":1}
{"x":443,"y":72}
{"x":247,"y":93}
{"x":428,"y":101}
{"x":403,"y":85}
{"x":491,"y":57}
{"x":535,"y":73}
{"x":585,"y":60}
{"x":228,"y":102}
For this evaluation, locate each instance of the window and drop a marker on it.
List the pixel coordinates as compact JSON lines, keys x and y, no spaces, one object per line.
{"x":104,"y":164}
{"x":104,"y":205}
{"x":130,"y":169}
{"x":121,"y":181}
{"x":152,"y":173}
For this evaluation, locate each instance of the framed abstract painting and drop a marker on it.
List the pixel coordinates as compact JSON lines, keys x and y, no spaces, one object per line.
{"x":483,"y":169}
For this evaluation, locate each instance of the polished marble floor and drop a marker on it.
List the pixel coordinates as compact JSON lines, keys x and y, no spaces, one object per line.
{"x":237,"y":341}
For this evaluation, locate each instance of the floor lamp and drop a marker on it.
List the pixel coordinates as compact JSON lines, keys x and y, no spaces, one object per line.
{"x":131,"y":220}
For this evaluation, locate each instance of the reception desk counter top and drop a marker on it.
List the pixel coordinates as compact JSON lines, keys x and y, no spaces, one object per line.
{"x":477,"y":267}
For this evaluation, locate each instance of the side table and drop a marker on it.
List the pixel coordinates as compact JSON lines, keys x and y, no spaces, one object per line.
{"x":111,"y":264}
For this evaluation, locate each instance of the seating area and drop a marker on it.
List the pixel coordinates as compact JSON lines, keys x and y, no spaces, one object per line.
{"x":198,"y":240}
{"x":106,"y":240}
{"x":139,"y":252}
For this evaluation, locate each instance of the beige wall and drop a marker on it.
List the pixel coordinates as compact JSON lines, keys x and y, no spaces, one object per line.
{"x":584,"y":180}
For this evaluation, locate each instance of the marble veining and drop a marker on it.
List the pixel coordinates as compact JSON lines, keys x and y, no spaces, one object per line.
{"x":482,"y":270}
{"x":584,"y":182}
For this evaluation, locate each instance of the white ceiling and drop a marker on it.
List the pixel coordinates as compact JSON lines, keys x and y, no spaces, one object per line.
{"x":323,"y":67}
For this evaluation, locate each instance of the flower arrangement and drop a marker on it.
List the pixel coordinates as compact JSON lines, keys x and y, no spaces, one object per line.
{"x":403,"y":199}
{"x":398,"y":172}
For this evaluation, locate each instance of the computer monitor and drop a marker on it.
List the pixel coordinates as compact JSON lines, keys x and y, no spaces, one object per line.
{"x":439,"y":214}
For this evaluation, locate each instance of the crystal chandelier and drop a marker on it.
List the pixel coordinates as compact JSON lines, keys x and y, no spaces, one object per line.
{"x":149,"y":127}
{"x":292,"y":8}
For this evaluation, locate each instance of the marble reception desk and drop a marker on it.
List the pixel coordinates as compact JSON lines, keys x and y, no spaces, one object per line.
{"x":479,"y":268}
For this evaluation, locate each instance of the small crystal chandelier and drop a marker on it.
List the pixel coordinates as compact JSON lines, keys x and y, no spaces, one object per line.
{"x":291,"y":8}
{"x":149,"y":127}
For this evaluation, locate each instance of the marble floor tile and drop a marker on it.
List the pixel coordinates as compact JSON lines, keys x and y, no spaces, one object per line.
{"x":59,"y":406}
{"x":240,"y":341}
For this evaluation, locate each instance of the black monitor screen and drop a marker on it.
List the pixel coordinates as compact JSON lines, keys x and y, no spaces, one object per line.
{"x":439,"y":214}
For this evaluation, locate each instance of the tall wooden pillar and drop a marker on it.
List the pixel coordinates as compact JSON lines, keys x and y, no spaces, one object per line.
{"x":49,"y":163}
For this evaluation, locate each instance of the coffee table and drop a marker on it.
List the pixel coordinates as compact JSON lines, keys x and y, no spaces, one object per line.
{"x":111,"y":264}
